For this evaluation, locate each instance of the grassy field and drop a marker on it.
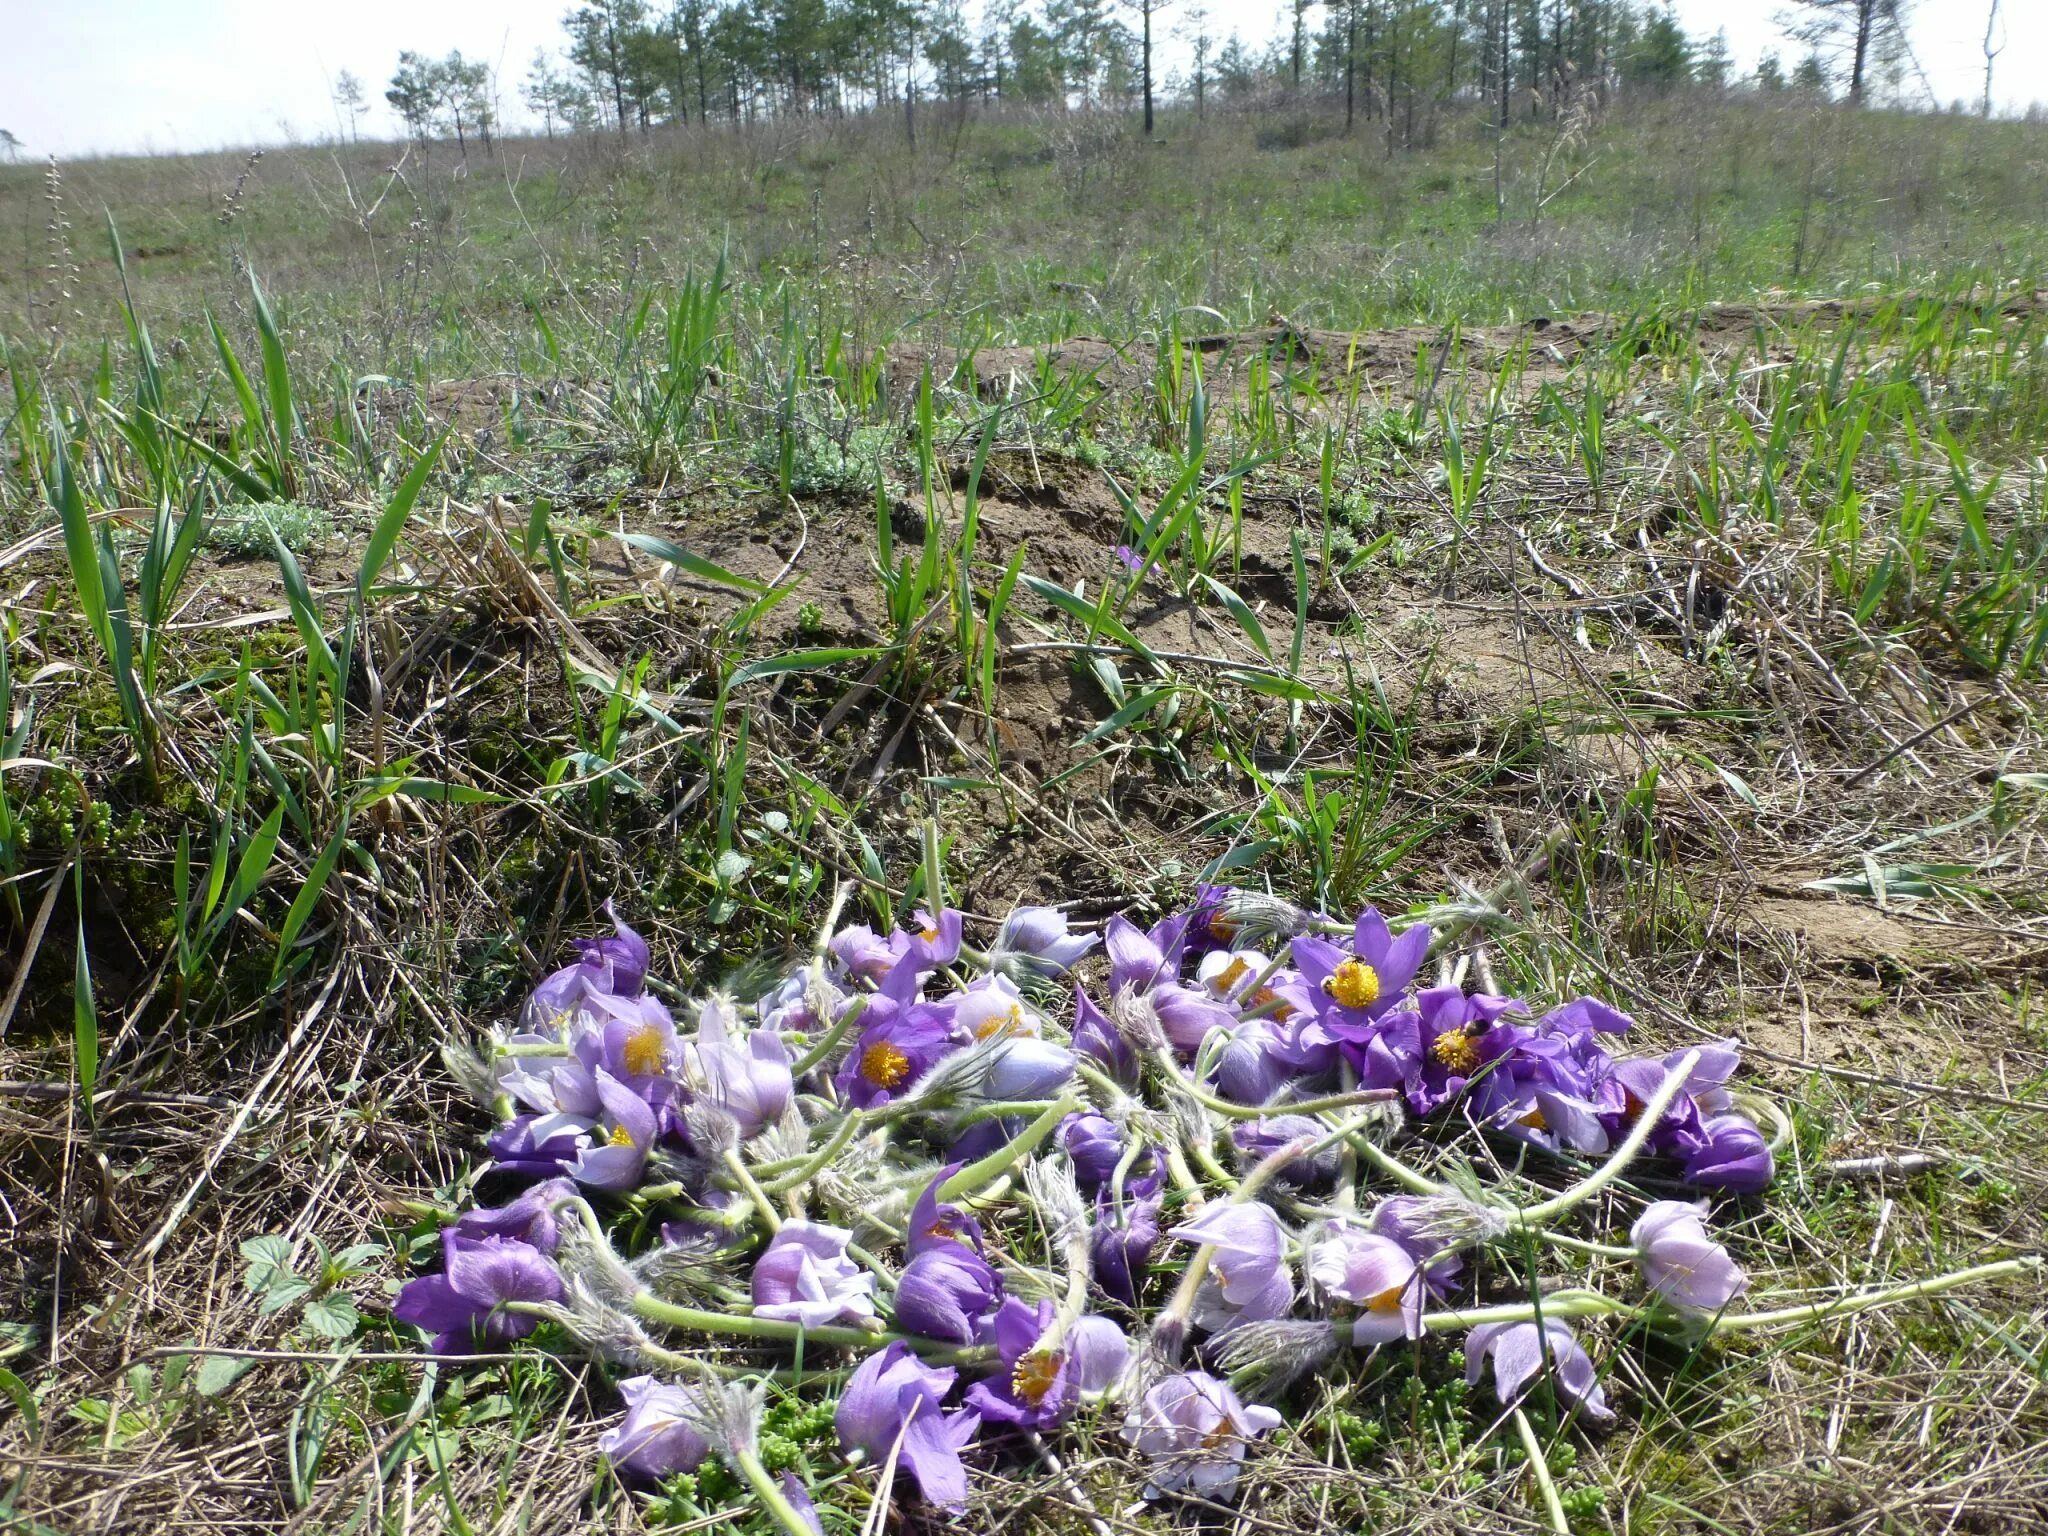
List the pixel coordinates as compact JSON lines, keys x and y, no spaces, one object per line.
{"x":1638,"y":535}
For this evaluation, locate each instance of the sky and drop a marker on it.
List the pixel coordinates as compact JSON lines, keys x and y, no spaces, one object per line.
{"x":81,"y":77}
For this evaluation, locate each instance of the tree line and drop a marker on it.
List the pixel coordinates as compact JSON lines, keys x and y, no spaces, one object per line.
{"x":628,"y":66}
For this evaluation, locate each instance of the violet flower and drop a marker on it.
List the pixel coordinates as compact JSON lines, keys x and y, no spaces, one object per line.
{"x":940,"y":1223}
{"x":1249,"y":1069}
{"x":620,"y":1158}
{"x":1730,"y":1154}
{"x":1248,"y":1273}
{"x":990,"y":1008}
{"x":1098,"y":1350}
{"x":1518,"y":1351}
{"x":537,"y":1144}
{"x":1036,"y":940}
{"x":657,"y":1438}
{"x":1142,"y":970}
{"x":804,"y":1276}
{"x":934,"y":943}
{"x":1194,"y":1430}
{"x":615,"y":967}
{"x":463,"y":1305}
{"x":529,"y":1217}
{"x":1025,"y":1068}
{"x":894,"y":1052}
{"x":891,"y":1400}
{"x":864,"y":953}
{"x":946,"y":1292}
{"x":1415,"y":1223}
{"x":1374,"y":1274}
{"x":1034,"y":1385}
{"x":1368,"y":981}
{"x":1259,"y":1139}
{"x":1102,"y":1043}
{"x":747,"y":1076}
{"x":1093,"y":1145}
{"x":1120,"y":1244}
{"x":1458,"y":1036}
{"x":633,"y":1038}
{"x":1680,"y":1262}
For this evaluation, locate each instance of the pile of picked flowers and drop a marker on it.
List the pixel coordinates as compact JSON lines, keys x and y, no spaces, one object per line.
{"x":972,"y":1194}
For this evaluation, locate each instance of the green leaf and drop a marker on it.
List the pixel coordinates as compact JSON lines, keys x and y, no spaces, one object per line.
{"x":277,"y":377}
{"x":309,"y":895}
{"x":268,"y":1255}
{"x":332,"y":1316}
{"x":85,"y":1017}
{"x":694,"y":565}
{"x":282,"y":1291}
{"x":391,"y":521}
{"x":1241,"y":611}
{"x":1086,"y":613}
{"x":796,"y":661}
{"x":219,"y":1372}
{"x":79,"y":546}
{"x":305,"y":612}
{"x":24,"y":1402}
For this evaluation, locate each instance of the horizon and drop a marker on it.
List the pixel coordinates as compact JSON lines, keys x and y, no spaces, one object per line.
{"x":180,"y":79}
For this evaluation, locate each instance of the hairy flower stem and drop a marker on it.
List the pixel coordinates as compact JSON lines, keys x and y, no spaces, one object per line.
{"x":1001,"y":1110}
{"x":747,"y":1462}
{"x":1532,"y":1216}
{"x":999,"y":1162}
{"x":776,"y":1331}
{"x":1539,"y":1468}
{"x":1180,"y":1081}
{"x":803,"y":1172}
{"x":1171,"y":1326}
{"x":1821,"y":1311}
{"x":758,"y":1197}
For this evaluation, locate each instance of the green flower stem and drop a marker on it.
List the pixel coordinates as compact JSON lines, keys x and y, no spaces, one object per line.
{"x":747,"y":1462}
{"x":1539,"y":1468}
{"x":1171,"y":1326}
{"x":536,"y":1048}
{"x":1006,"y":1157}
{"x":1170,"y":1069}
{"x":771,"y":1330}
{"x":1560,"y":1304}
{"x":1821,"y":1311}
{"x":830,"y":1041}
{"x":1000,"y":1110}
{"x":810,"y":1167}
{"x":1394,"y":1168}
{"x":1581,"y":1245}
{"x":737,"y":1167}
{"x":1653,"y":1112}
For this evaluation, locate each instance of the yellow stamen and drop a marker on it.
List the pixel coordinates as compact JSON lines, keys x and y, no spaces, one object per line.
{"x":1266,"y":997}
{"x":1454,"y":1049}
{"x":1221,"y":928}
{"x":620,"y":1136}
{"x":1231,"y":975}
{"x":884,"y":1065}
{"x":645,"y":1052}
{"x":929,"y":935}
{"x":1534,"y":1119}
{"x":1388,"y":1300}
{"x":1035,"y":1375}
{"x":1354,"y":985}
{"x":1011,"y":1023}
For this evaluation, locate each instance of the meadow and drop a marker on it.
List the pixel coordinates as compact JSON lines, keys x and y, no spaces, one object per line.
{"x":1627,"y":538}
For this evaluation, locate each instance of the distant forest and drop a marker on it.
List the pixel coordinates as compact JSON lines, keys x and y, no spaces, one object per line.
{"x":627,"y":67}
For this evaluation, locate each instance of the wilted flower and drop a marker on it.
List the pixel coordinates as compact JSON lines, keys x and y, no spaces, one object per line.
{"x":804,"y":1276}
{"x":1035,"y":939}
{"x":1142,"y":970}
{"x":748,"y":1077}
{"x":1121,"y":1244}
{"x":893,"y":1399}
{"x":1432,"y":1227}
{"x":1519,"y":1350}
{"x":1261,"y":1138}
{"x":1376,"y":1275}
{"x":1194,"y":1430}
{"x":946,"y":1292}
{"x":1248,"y":1272}
{"x":1680,"y":1262}
{"x":463,"y":1305}
{"x":657,"y":1437}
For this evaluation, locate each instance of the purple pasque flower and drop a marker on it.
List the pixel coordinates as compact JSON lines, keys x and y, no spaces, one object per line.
{"x":1034,"y":1383}
{"x":633,"y":1038}
{"x":541,"y":1145}
{"x":1417,"y":1224}
{"x":1101,"y":1042}
{"x":1680,"y":1262}
{"x":1359,"y":985}
{"x":1261,"y":1138}
{"x":865,"y":953}
{"x":1250,"y":1067}
{"x":614,"y":967}
{"x":529,"y":1217}
{"x":1728,"y":1153}
{"x":657,"y":1438}
{"x":901,"y":1040}
{"x":892,"y":1400}
{"x":804,"y":1276}
{"x":1143,"y":967}
{"x":1194,"y":1430}
{"x":1376,"y":1275}
{"x":1457,"y":1037}
{"x":992,"y":1008}
{"x":933,"y":943}
{"x":1249,"y":1280}
{"x":1125,"y":1232}
{"x":463,"y":1305}
{"x":617,"y":1158}
{"x":1036,"y":940}
{"x":1130,"y":559}
{"x":745,"y":1074}
{"x":799,"y":1497}
{"x":940,"y":1223}
{"x":946,"y":1291}
{"x":1094,"y":1146}
{"x":1097,"y":1352}
{"x":1518,"y":1351}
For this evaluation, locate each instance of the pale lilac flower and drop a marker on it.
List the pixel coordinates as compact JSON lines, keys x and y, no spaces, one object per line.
{"x":1036,"y":939}
{"x":747,"y":1075}
{"x":1518,"y":1351}
{"x":1248,"y":1273}
{"x":656,"y":1439}
{"x":618,"y":1160}
{"x":893,"y":1399}
{"x":1025,"y":1068}
{"x":993,"y":1008}
{"x":804,"y":1276}
{"x":1680,"y":1262}
{"x":1194,"y":1430}
{"x":528,"y":1216}
{"x":1376,"y":1275}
